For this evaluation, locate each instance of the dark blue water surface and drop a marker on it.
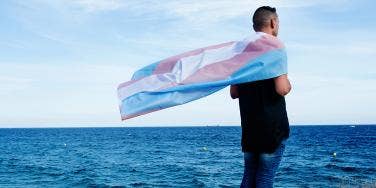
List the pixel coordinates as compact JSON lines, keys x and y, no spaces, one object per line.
{"x":180,"y":157}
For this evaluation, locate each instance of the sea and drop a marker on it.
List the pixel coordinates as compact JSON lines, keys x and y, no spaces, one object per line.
{"x":207,"y":156}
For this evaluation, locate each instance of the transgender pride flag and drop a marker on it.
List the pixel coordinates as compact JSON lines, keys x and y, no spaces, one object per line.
{"x":199,"y":73}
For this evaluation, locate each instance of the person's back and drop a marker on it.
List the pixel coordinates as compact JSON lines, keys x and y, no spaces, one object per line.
{"x":263,"y":116}
{"x":264,"y":121}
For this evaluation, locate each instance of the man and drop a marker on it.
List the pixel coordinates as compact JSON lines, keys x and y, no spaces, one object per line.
{"x":264,"y":122}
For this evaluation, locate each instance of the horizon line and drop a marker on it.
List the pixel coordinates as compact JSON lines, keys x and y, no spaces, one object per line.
{"x":178,"y":126}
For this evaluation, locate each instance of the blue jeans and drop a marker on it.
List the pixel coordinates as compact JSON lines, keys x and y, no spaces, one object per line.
{"x":260,"y":168}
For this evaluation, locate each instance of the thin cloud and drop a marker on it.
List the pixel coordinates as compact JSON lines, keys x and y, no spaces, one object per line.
{"x":116,"y":37}
{"x":358,"y":48}
{"x":97,"y":5}
{"x":191,"y":10}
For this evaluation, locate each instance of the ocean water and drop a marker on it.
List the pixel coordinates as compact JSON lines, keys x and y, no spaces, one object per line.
{"x":180,"y":157}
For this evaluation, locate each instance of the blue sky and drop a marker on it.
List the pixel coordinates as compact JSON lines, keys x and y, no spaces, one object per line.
{"x":61,"y":60}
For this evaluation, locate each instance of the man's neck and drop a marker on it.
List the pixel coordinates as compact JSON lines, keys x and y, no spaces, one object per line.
{"x":267,"y":31}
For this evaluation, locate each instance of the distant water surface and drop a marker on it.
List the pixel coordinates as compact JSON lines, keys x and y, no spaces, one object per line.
{"x":180,"y":157}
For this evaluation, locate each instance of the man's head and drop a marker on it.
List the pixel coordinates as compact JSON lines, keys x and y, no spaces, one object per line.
{"x":265,"y":19}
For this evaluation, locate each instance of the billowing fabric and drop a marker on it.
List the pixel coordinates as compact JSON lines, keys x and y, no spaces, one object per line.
{"x":201,"y":72}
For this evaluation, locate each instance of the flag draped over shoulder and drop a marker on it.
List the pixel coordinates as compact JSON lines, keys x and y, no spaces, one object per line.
{"x":195,"y":74}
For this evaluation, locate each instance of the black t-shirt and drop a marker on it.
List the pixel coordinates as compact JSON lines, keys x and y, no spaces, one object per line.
{"x":263,"y":116}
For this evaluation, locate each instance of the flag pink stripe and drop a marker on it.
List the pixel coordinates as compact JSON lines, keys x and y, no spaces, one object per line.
{"x":167,"y":64}
{"x":124,"y":116}
{"x":229,"y":66}
{"x":124,"y":84}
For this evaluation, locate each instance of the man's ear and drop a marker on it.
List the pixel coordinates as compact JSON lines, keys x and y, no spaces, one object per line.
{"x":273,"y":23}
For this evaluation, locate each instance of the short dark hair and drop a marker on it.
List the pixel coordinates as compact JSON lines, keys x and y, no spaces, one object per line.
{"x":262,"y":16}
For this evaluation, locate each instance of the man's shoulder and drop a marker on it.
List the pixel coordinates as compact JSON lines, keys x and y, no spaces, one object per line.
{"x":264,"y":81}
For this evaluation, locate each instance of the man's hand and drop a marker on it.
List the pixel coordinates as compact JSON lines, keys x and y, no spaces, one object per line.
{"x":282,"y":85}
{"x":234,"y":92}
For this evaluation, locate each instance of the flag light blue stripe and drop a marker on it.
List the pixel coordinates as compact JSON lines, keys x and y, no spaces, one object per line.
{"x":146,"y":71}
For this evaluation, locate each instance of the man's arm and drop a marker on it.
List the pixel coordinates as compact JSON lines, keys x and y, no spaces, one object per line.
{"x":282,"y":85}
{"x":234,"y":92}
